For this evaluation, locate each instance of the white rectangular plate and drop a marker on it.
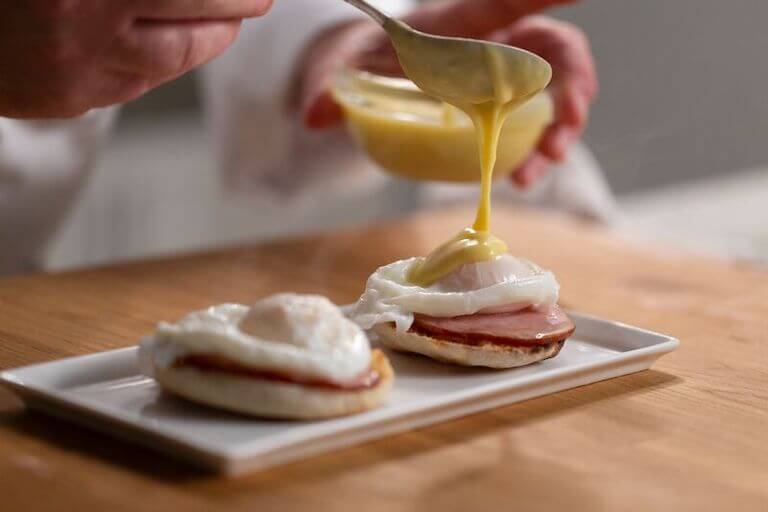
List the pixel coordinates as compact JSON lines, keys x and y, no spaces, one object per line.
{"x":107,"y":392}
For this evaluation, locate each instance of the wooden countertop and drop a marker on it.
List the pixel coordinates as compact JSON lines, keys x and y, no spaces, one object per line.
{"x":691,"y":434}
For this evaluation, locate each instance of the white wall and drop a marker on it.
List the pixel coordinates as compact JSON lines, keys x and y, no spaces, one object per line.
{"x":158,"y":190}
{"x":684,"y":87}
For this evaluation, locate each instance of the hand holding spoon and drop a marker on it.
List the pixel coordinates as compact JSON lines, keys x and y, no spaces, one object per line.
{"x":463,"y":72}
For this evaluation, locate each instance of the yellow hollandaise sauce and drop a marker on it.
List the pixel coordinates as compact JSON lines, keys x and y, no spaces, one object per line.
{"x":498,"y":83}
{"x":477,"y":243}
{"x":418,"y":137}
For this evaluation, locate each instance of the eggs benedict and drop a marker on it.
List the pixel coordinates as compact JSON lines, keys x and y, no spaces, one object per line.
{"x":498,"y":313}
{"x":286,"y":356}
{"x":469,"y":301}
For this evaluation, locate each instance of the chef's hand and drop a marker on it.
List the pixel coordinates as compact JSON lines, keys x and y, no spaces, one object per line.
{"x":363,"y":44}
{"x":574,"y":85}
{"x":60,"y":58}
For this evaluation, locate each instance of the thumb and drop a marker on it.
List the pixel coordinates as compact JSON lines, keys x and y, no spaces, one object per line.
{"x":337,"y":45}
{"x":320,"y":110}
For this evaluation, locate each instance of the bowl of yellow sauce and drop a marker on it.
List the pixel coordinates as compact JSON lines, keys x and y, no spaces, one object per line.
{"x":413,"y":135}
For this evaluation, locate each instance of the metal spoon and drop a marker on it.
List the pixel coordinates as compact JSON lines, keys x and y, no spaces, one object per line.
{"x":462,"y":71}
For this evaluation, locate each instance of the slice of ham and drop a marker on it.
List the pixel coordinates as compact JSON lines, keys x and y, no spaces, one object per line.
{"x":527,"y":327}
{"x":507,"y":308}
{"x":215,"y":363}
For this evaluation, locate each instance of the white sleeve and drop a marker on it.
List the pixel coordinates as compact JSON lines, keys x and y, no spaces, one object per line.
{"x":259,"y":142}
{"x":42,"y":167}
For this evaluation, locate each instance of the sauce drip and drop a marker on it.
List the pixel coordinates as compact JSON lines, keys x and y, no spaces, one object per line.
{"x":487,"y":83}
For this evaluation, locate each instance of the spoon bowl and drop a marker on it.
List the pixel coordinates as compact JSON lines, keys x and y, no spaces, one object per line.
{"x":467,"y":71}
{"x":464,"y":72}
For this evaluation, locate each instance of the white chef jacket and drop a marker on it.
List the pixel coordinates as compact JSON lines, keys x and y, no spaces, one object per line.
{"x":264,"y":151}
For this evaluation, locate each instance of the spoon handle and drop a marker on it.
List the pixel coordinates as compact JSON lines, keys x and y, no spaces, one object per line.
{"x":378,"y":16}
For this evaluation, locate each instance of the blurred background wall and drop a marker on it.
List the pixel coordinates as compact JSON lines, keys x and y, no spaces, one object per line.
{"x":684,"y":88}
{"x":684,"y":96}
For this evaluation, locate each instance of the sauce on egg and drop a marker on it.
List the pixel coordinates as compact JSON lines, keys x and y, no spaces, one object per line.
{"x":461,"y":83}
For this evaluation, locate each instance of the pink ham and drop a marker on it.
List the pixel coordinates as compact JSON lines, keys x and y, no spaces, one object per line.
{"x":530,"y":326}
{"x":507,"y":308}
{"x":215,"y":363}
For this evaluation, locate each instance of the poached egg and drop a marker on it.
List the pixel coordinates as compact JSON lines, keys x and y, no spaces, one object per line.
{"x":506,"y":283}
{"x":305,"y":335}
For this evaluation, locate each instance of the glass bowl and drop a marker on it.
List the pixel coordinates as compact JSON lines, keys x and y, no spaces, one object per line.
{"x":413,"y":135}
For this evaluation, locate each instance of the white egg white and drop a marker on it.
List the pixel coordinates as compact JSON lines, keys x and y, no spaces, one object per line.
{"x":305,"y":335}
{"x":504,"y":284}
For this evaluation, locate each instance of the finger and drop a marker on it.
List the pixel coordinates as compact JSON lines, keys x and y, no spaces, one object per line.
{"x":574,"y":82}
{"x":572,"y":100}
{"x":117,"y":88}
{"x":330,"y":51}
{"x":534,"y":167}
{"x":164,"y":50}
{"x":321,"y":111}
{"x":573,"y":104}
{"x":381,"y":60}
{"x":198,"y":9}
{"x":317,"y":107}
{"x":564,"y":45}
{"x":474,"y":18}
{"x":556,"y":141}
